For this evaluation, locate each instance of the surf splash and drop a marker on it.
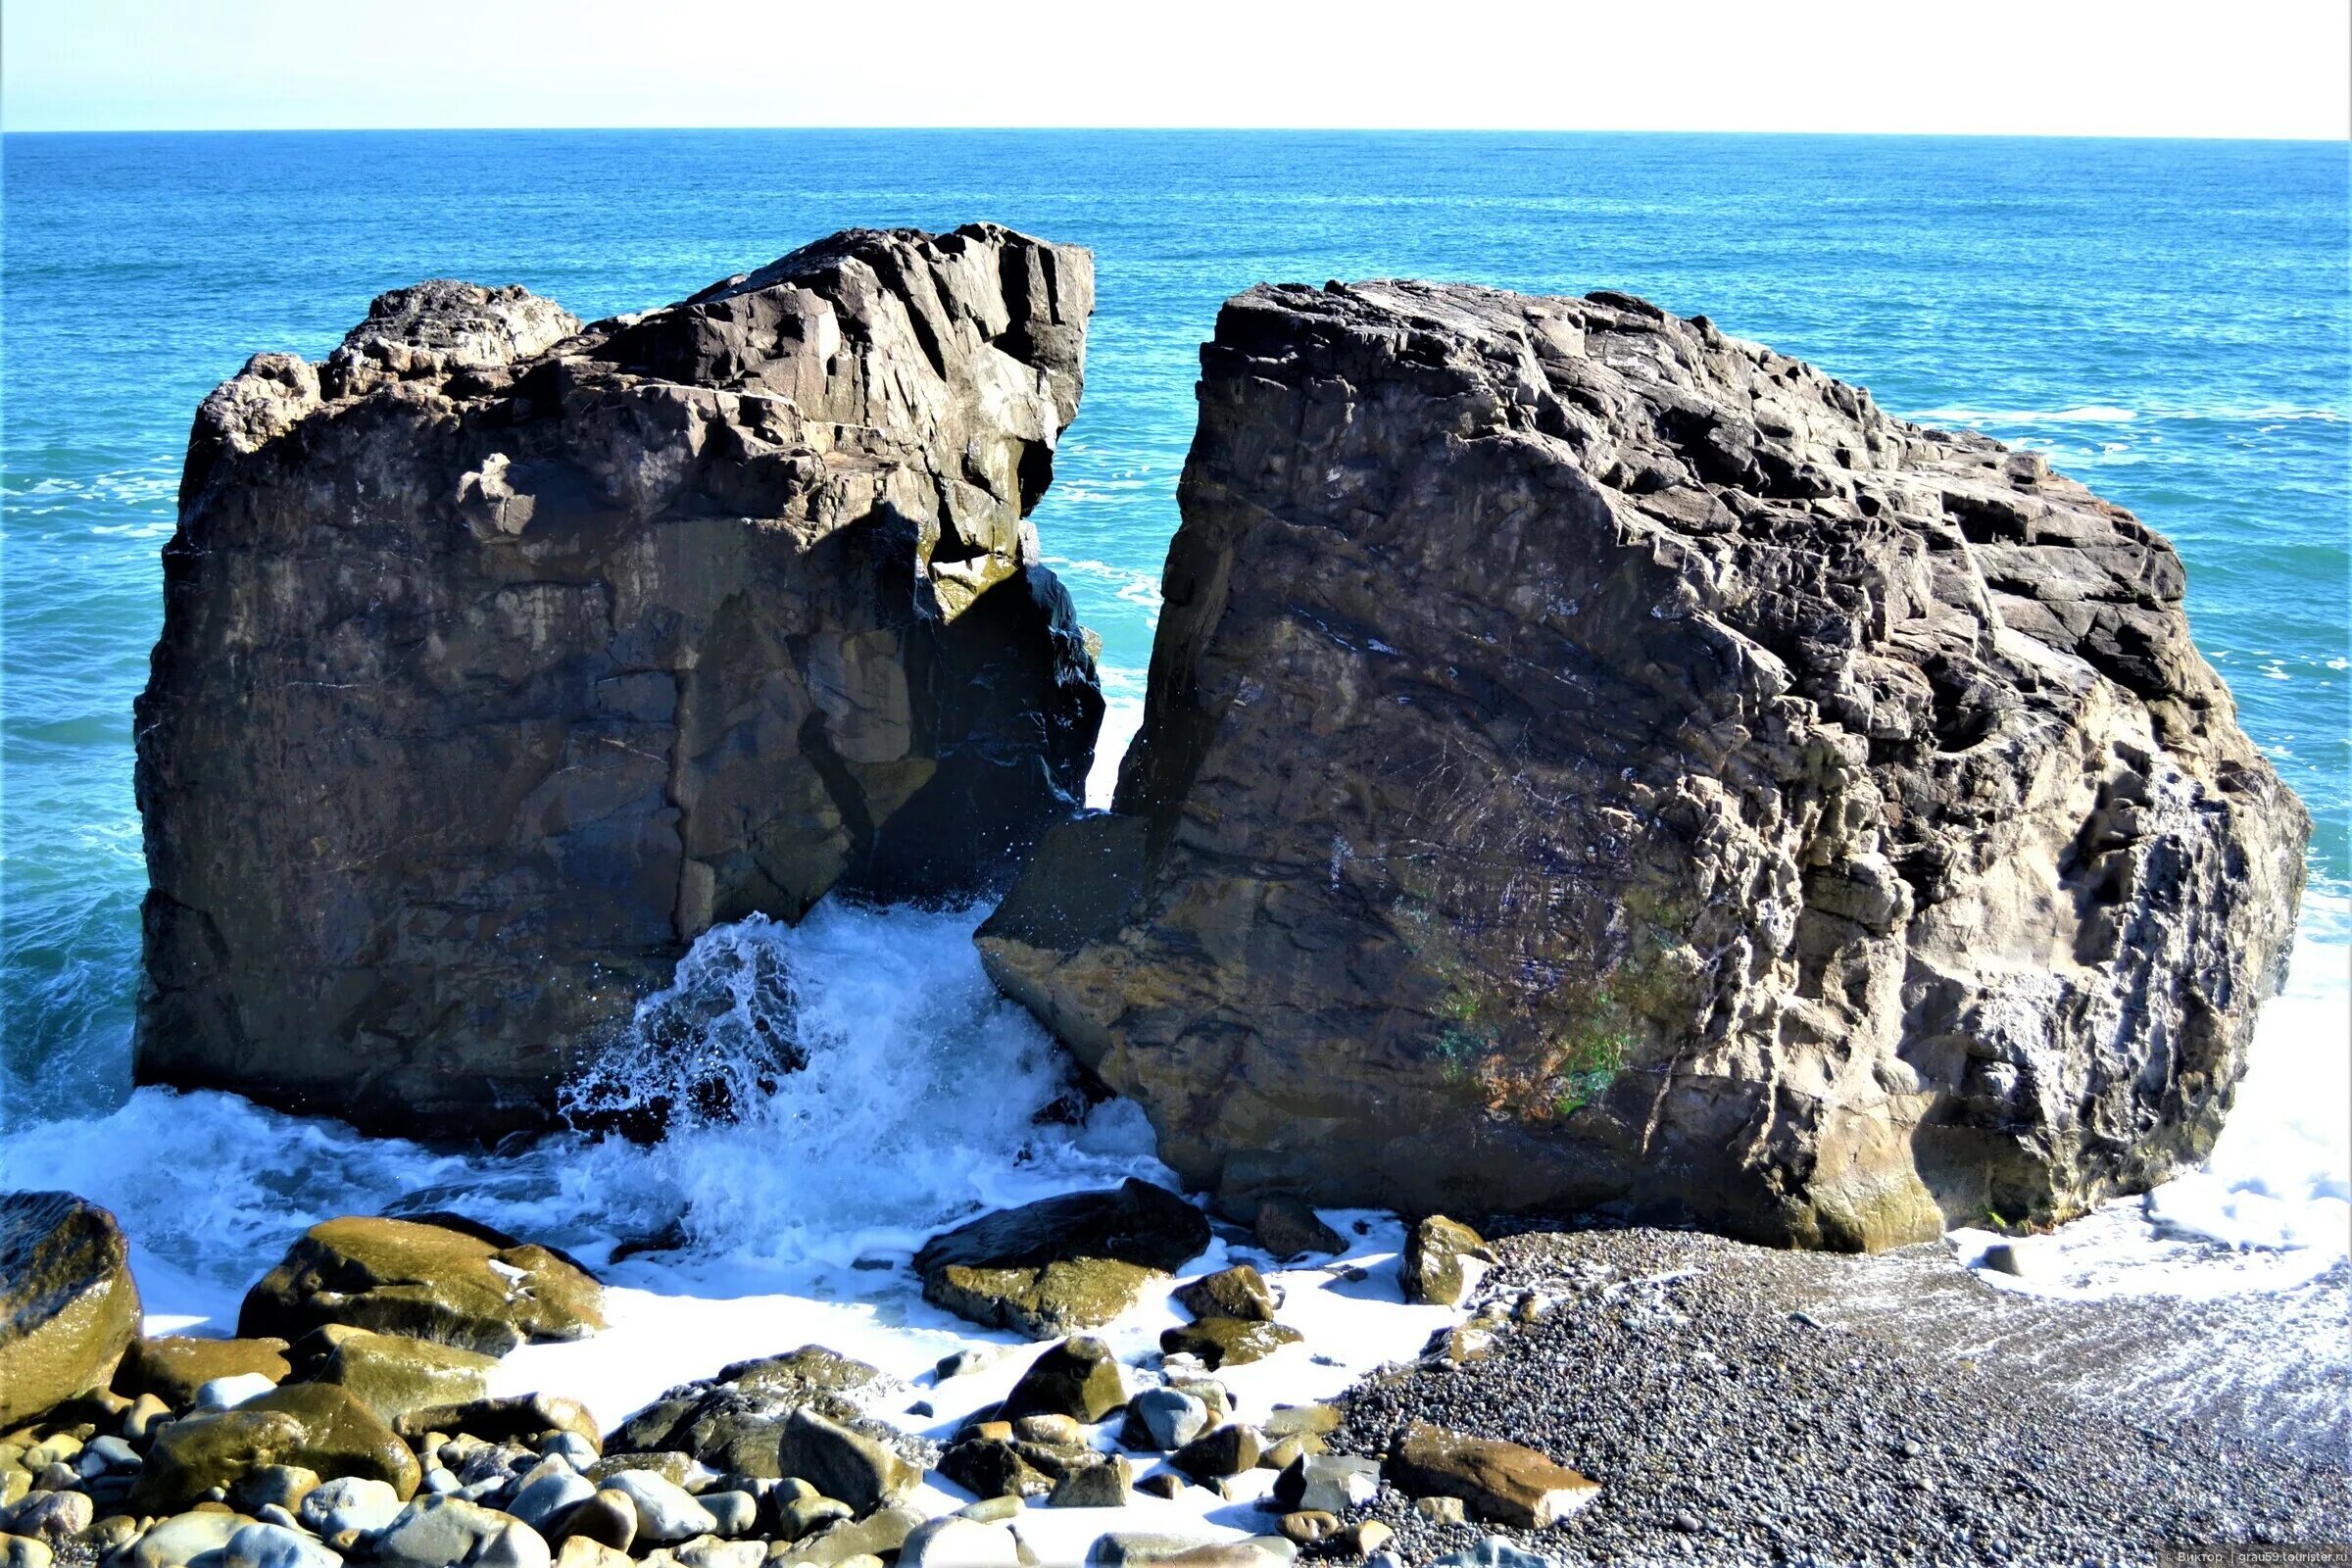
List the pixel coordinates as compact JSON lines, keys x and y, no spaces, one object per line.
{"x":828,"y":1091}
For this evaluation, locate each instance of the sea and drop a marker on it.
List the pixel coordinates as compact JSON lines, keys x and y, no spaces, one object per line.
{"x":2170,"y":322}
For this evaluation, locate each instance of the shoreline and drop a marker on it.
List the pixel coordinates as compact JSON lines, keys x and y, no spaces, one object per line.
{"x":1741,"y":1404}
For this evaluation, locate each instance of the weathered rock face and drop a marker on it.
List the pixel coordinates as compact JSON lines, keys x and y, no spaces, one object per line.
{"x":1589,"y":758}
{"x":503,"y":655}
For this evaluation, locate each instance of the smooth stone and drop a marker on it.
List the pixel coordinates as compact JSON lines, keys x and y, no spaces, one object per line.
{"x":841,"y":1464}
{"x":174,"y":1367}
{"x":736,"y":1512}
{"x":1439,"y":1510}
{"x":508,"y":1418}
{"x":805,"y":1516}
{"x":957,"y":1543}
{"x":1434,"y":1265}
{"x":444,"y":1531}
{"x":609,"y":1518}
{"x":319,"y":1427}
{"x":1094,"y":1486}
{"x":433,"y":1277}
{"x":69,"y":1306}
{"x":1288,"y":1226}
{"x":1301,"y":1420}
{"x":884,"y":1531}
{"x":1238,"y":1291}
{"x":666,"y":1512}
{"x":1220,"y":1342}
{"x":108,"y":1455}
{"x":1327,"y":1483}
{"x":349,"y":1504}
{"x":1061,"y":1430}
{"x":1308,"y":1527}
{"x":227,"y":1392}
{"x":283,"y":1486}
{"x":1078,"y":1378}
{"x":547,"y":1494}
{"x":1069,"y":1262}
{"x":269,"y":1545}
{"x":1164,"y":1419}
{"x":710,"y":1551}
{"x":178,"y":1540}
{"x":1363,"y":1539}
{"x":1501,"y":1482}
{"x":964,"y":1362}
{"x":994,"y":1510}
{"x":24,"y":1551}
{"x":394,"y":1374}
{"x":1162,"y":1484}
{"x":1227,"y":1450}
{"x":583,"y":1551}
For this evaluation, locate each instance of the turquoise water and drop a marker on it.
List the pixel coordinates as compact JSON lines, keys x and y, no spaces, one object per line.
{"x":2171,"y":322}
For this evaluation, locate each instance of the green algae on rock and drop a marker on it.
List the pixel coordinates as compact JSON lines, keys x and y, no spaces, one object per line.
{"x":468,"y":1287}
{"x":69,"y":1306}
{"x":317,"y":1426}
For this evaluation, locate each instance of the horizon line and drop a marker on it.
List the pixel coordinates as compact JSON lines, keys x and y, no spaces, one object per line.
{"x":2344,"y":141}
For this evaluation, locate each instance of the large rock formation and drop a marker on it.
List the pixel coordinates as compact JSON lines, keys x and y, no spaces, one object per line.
{"x":502,"y":656}
{"x":1589,"y":758}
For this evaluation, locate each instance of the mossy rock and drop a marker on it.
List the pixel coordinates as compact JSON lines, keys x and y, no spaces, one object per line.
{"x":507,"y":1418}
{"x":1432,"y":1268}
{"x":1237,"y":1292}
{"x":393,"y":1373}
{"x":67,"y":1305}
{"x":1070,"y":1262}
{"x":1228,"y":1340}
{"x":173,"y":1367}
{"x":735,"y":1422}
{"x":1079,"y":1378}
{"x":313,"y":1424}
{"x":442,"y":1279}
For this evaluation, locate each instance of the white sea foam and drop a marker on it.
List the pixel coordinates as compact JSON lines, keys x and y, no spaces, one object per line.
{"x":1123,"y":717}
{"x":2271,"y":1208}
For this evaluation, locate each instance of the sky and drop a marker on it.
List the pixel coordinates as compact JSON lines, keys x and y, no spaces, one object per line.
{"x":2124,"y":68}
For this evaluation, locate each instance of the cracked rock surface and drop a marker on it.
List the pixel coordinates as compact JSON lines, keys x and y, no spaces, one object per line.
{"x":503,"y":655}
{"x":1589,"y":760}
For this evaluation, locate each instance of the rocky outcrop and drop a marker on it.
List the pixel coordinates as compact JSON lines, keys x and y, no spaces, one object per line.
{"x":502,"y":656}
{"x":69,"y":1307}
{"x":1592,"y":760}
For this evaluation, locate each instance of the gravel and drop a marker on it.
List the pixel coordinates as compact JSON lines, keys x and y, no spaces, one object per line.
{"x":1744,"y":1405}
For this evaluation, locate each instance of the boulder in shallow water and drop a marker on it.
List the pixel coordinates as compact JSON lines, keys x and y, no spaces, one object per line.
{"x":69,"y":1307}
{"x":1063,"y":1263}
{"x":1589,"y":760}
{"x":1434,"y":1266}
{"x":503,"y":655}
{"x":1221,"y":1341}
{"x":1079,"y":1378}
{"x":317,"y":1426}
{"x":451,"y":1282}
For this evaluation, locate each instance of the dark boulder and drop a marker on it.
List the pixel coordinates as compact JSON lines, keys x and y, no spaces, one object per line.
{"x":1589,"y":760}
{"x":502,"y":656}
{"x":1063,"y":1263}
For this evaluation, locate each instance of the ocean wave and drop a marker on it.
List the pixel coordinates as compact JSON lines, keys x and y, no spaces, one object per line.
{"x":2115,"y":414}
